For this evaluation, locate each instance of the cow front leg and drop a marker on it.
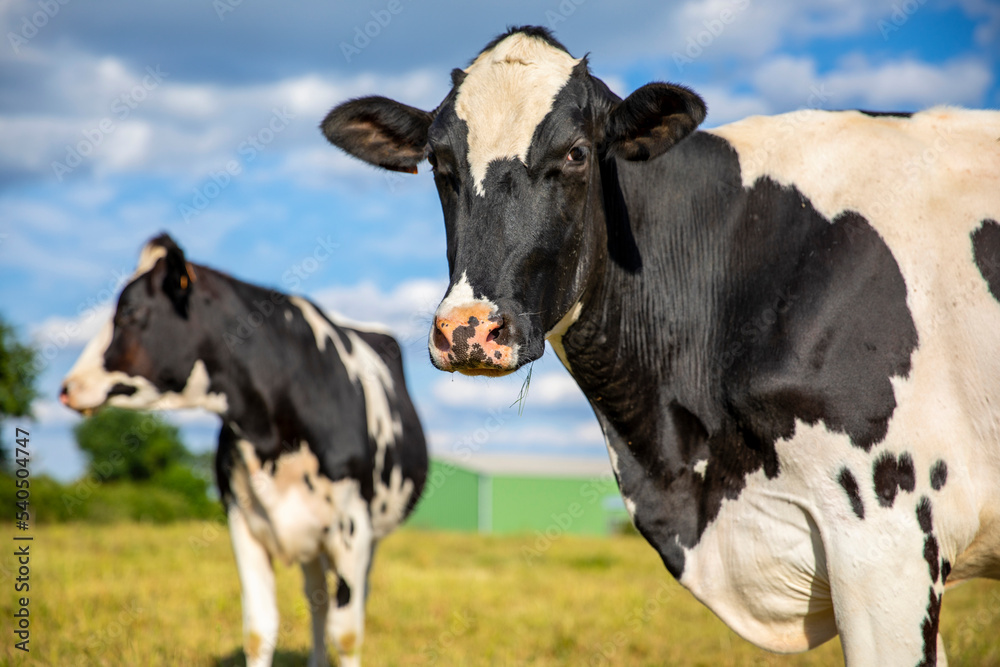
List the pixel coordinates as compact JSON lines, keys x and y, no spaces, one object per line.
{"x":350,"y":545}
{"x":260,"y":605}
{"x":887,"y":578}
{"x":318,"y":597}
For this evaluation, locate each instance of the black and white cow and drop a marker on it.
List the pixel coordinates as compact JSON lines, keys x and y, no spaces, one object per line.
{"x":321,"y":453}
{"x":788,"y":327}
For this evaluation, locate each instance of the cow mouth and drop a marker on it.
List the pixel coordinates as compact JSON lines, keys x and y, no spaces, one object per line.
{"x":473,"y":342}
{"x":487,"y":372}
{"x":120,"y":389}
{"x":66,"y":397}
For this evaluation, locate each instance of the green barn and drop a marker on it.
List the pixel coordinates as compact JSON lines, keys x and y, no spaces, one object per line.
{"x":494,"y":494}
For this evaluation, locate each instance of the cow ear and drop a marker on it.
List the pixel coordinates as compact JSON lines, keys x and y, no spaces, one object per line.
{"x":651,"y":120}
{"x":379,"y":131}
{"x":178,"y":279}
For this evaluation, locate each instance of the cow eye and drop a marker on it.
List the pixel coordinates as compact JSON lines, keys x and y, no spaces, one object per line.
{"x":432,"y":159}
{"x":577,"y":154}
{"x":131,"y":316}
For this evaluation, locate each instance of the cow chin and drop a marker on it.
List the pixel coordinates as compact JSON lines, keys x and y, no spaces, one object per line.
{"x":89,"y":394}
{"x":476,"y":363}
{"x":486,"y":372}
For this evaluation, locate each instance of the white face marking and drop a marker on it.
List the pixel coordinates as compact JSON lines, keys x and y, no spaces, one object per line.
{"x":194,"y":395}
{"x":288,"y":315}
{"x":700,"y":466}
{"x":88,"y":384}
{"x":507,"y":92}
{"x":459,"y":305}
{"x":461,"y":296}
{"x":87,"y":381}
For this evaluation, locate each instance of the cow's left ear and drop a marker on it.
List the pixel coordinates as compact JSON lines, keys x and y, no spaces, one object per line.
{"x":178,"y":279}
{"x":651,"y":120}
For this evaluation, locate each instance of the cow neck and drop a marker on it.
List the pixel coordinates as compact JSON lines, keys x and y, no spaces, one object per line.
{"x":229,"y":355}
{"x":645,"y":334}
{"x":642,"y":349}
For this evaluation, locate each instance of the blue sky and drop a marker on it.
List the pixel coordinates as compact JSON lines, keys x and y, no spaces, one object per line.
{"x":124,"y":119}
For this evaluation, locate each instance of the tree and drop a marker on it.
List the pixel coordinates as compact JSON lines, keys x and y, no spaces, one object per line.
{"x":18,"y":374}
{"x":139,"y":447}
{"x":128,"y":445}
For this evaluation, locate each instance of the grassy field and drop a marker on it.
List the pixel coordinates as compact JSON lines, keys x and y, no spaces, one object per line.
{"x":133,"y":594}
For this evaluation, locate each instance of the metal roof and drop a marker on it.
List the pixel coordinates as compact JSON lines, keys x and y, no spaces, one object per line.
{"x":530,"y":466}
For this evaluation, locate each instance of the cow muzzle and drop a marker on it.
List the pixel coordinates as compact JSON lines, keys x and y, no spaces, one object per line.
{"x":74,"y":396}
{"x":473,"y":339}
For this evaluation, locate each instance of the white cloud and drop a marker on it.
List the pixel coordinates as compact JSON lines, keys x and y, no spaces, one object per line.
{"x":714,"y":30}
{"x":406,"y":309}
{"x":725,"y":106}
{"x":554,"y":388}
{"x":987,"y":14}
{"x":460,"y":391}
{"x":519,"y":435}
{"x":73,"y":332}
{"x":910,"y":83}
{"x":112,"y":118}
{"x":51,"y":413}
{"x":788,"y":83}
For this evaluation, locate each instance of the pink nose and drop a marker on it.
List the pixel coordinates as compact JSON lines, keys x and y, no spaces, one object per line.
{"x":471,"y":340}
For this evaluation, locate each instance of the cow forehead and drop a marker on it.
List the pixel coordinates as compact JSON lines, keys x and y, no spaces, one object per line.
{"x":508,"y":90}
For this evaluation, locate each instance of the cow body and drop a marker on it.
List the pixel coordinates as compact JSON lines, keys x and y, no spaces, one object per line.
{"x":826,"y":382}
{"x":321,"y":453}
{"x":788,"y":328}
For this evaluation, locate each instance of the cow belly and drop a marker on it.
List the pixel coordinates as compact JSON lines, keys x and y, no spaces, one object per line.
{"x":288,"y":505}
{"x":982,"y":557}
{"x":760,"y":567}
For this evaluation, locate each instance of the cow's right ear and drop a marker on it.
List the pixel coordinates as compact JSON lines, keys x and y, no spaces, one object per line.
{"x":379,"y":131}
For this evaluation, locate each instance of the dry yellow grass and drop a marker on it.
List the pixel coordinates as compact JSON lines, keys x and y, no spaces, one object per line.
{"x":133,"y":594}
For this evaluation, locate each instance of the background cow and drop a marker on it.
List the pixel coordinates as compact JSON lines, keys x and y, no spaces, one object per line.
{"x":320,"y":454}
{"x":788,"y":327}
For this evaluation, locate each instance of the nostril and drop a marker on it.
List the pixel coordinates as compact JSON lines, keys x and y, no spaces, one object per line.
{"x":440,"y":340}
{"x":498,"y":330}
{"x":64,"y":395}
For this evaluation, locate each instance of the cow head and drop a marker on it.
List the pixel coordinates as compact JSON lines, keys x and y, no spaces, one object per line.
{"x":517,"y":148}
{"x":146,"y":357}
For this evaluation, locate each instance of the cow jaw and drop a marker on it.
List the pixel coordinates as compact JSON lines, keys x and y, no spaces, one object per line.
{"x":89,"y":385}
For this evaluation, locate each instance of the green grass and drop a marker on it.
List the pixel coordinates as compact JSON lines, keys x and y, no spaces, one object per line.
{"x":138,"y":594}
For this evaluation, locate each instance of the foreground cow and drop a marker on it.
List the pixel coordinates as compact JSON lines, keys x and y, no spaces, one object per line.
{"x":320,"y":454}
{"x":788,"y":327}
